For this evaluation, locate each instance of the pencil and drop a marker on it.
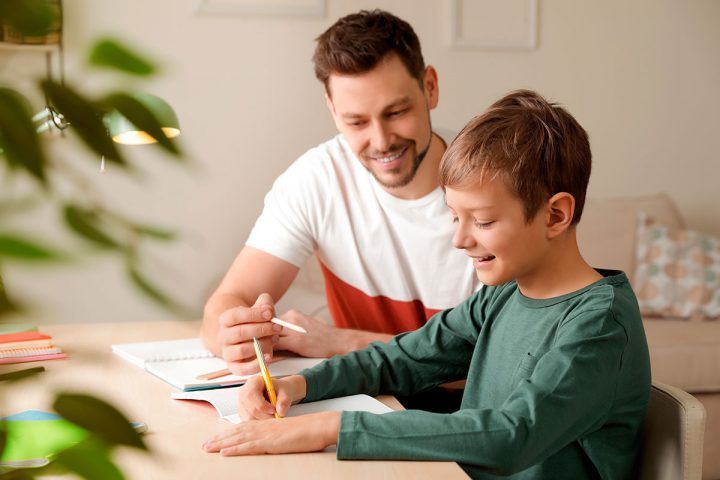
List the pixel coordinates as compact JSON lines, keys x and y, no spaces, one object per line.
{"x":289,"y":325}
{"x":265,"y":374}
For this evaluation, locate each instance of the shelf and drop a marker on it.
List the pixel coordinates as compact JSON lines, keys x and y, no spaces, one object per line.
{"x":28,"y":48}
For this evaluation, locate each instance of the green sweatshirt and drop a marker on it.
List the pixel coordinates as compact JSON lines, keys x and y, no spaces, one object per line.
{"x":556,"y":388}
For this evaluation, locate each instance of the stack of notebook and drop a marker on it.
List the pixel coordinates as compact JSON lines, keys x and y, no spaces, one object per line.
{"x":27,"y":346}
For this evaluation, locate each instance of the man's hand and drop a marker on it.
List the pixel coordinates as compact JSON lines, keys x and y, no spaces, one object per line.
{"x":306,"y":433}
{"x":238,"y":326}
{"x":253,"y":405}
{"x":323,"y":340}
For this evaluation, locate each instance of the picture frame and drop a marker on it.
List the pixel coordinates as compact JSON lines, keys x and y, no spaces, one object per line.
{"x":263,"y":8}
{"x":498,"y":24}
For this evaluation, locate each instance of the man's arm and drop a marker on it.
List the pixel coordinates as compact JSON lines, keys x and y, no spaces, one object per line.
{"x":231,"y":317}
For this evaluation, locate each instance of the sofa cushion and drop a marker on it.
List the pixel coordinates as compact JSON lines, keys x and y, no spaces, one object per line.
{"x":677,"y":272}
{"x":683,"y":354}
{"x":606,"y":232}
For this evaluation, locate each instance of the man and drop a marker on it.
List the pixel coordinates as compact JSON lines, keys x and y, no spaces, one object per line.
{"x":366,"y":203}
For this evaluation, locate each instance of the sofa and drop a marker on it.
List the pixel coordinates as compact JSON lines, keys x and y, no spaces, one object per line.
{"x":683,"y":353}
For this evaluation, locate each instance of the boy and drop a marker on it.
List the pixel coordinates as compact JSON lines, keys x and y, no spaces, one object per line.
{"x":554,"y":351}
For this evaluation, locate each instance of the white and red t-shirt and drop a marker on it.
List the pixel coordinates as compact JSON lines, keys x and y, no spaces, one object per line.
{"x":388,"y":263}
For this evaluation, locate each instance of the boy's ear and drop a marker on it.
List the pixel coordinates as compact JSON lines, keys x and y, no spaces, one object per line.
{"x":560,"y":211}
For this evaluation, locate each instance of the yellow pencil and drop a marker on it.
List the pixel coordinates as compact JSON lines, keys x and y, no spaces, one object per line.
{"x":265,"y":374}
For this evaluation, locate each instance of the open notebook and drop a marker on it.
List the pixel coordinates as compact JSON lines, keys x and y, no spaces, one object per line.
{"x":225,"y":401}
{"x":180,"y":362}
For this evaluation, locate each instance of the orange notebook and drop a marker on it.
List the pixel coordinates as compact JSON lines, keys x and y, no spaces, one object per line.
{"x":9,"y":341}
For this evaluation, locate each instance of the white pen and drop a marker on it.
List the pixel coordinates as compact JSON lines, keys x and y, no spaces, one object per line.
{"x":289,"y":325}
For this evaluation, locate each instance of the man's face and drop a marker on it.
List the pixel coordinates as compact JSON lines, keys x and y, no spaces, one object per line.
{"x":492,"y":229}
{"x":385,"y":117}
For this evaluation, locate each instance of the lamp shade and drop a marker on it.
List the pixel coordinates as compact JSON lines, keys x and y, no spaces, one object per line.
{"x":123,"y":131}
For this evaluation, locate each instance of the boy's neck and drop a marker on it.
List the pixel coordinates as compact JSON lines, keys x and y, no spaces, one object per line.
{"x":562,"y":271}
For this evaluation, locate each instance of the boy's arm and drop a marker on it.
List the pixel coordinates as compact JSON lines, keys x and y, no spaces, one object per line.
{"x":568,"y":397}
{"x":411,"y":362}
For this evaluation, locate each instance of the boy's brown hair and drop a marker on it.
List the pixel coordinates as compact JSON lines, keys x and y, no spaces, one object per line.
{"x":357,"y":42}
{"x":535,"y":146}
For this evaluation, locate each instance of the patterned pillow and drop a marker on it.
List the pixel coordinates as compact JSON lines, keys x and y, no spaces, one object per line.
{"x":677,"y":272}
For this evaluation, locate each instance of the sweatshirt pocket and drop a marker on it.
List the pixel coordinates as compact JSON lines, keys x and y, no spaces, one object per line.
{"x":525,"y":368}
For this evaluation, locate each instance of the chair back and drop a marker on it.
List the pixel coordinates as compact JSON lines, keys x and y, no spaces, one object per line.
{"x":672,"y":436}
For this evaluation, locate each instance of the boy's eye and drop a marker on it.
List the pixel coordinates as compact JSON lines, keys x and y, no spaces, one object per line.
{"x":480,"y":224}
{"x":454,"y":219}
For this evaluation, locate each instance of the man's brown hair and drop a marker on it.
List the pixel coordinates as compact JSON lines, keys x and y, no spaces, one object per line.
{"x":535,"y":146}
{"x":356,"y":43}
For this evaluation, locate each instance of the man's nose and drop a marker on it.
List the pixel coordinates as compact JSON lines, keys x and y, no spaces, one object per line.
{"x":381,"y":138}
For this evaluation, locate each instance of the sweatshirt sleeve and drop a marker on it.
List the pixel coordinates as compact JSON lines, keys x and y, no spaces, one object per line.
{"x":410,"y":363}
{"x":566,"y":397}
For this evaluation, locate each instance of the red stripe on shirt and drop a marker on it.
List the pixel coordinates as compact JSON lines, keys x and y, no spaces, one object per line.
{"x":352,"y":308}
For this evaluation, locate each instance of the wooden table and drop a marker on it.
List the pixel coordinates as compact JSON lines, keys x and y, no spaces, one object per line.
{"x":176,"y":429}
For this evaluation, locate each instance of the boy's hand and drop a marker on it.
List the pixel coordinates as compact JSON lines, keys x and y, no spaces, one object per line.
{"x":238,"y":326}
{"x":306,"y":433}
{"x":253,"y":405}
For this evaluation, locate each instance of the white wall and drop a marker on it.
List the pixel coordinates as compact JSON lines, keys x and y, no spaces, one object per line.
{"x":642,"y":77}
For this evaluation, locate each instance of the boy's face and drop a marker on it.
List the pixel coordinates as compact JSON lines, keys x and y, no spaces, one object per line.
{"x":385,"y":117}
{"x":492,"y":230}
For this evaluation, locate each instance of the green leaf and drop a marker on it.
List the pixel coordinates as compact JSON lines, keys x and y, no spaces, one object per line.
{"x":3,"y":436}
{"x":19,"y":248}
{"x":20,"y":374}
{"x":154,"y":232}
{"x":30,"y":17}
{"x":111,"y":54}
{"x":152,"y":291}
{"x":90,"y":459}
{"x":85,"y":223}
{"x":142,"y":117}
{"x":86,"y":119}
{"x":18,"y":139}
{"x":6,"y":305}
{"x":98,"y":417}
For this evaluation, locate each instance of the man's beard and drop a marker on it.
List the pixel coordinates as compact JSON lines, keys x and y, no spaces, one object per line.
{"x":411,"y":174}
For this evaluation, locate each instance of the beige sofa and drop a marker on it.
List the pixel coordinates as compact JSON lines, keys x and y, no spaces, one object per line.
{"x":685,"y":354}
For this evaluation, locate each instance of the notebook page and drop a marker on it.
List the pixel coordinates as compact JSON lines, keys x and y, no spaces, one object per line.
{"x":165,"y":350}
{"x":225,"y":401}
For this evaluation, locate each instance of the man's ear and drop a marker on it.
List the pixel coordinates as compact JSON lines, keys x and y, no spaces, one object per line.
{"x":560,"y":211}
{"x":431,"y":87}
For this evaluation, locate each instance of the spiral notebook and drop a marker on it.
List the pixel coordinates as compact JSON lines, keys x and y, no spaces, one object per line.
{"x":180,"y":362}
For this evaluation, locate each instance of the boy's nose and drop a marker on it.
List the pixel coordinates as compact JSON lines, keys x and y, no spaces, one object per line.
{"x":461,"y":239}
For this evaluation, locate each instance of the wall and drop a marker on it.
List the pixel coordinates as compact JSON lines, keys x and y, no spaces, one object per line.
{"x":642,"y":77}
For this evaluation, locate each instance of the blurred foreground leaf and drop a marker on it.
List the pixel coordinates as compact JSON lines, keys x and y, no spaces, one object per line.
{"x":90,"y":459}
{"x":85,"y":223}
{"x":153,"y":292}
{"x":98,"y":417}
{"x":18,"y":139}
{"x":15,"y":247}
{"x":85,"y":118}
{"x":111,"y":54}
{"x":20,"y":374}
